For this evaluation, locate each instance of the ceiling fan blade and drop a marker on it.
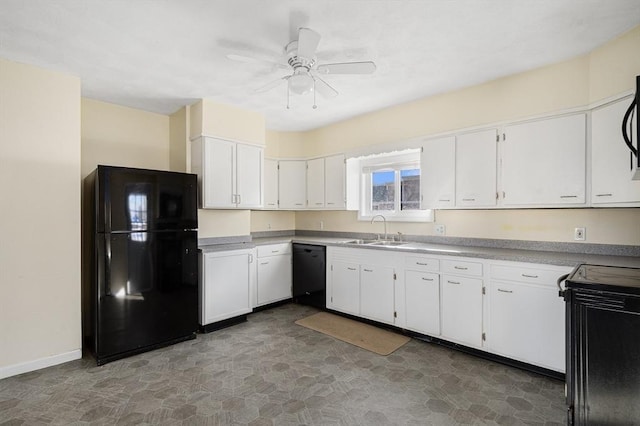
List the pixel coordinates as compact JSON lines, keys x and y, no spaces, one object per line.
{"x":255,"y":60}
{"x":307,"y":42}
{"x":366,"y":67}
{"x":272,"y":85}
{"x":323,"y":88}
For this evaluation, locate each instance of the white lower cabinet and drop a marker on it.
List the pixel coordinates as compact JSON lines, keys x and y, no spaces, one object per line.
{"x":361,"y":282}
{"x":422,"y":302}
{"x":526,"y":316}
{"x":462,"y":310}
{"x":344,"y":289}
{"x":274,"y":274}
{"x":225,"y":284}
{"x":376,"y":293}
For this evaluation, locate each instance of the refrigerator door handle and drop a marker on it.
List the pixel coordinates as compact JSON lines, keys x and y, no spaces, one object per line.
{"x":561,"y":279}
{"x":107,"y":270}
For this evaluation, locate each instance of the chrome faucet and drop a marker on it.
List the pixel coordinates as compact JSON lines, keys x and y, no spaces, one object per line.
{"x":384,"y":219}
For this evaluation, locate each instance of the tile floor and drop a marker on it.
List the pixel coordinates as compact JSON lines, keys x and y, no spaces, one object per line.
{"x":270,"y":371}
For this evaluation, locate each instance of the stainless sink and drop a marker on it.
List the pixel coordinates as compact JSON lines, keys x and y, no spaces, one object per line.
{"x":387,"y":243}
{"x":377,"y":242}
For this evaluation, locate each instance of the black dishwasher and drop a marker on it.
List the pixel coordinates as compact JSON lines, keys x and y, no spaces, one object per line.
{"x":309,"y":275}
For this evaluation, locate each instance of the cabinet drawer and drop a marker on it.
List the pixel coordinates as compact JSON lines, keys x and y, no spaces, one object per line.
{"x":461,"y":267}
{"x":274,"y":249}
{"x":419,"y":263}
{"x":527,"y":275}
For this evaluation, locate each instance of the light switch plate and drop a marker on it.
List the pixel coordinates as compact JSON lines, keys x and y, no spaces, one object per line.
{"x":440,"y":229}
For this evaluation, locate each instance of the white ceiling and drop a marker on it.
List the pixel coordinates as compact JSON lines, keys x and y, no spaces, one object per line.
{"x":160,"y":55}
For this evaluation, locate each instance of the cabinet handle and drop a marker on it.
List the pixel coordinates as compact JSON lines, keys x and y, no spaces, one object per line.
{"x":422,"y":264}
{"x":468,"y":199}
{"x":275,"y":251}
{"x":318,"y":204}
{"x":427,"y":279}
{"x":368,"y":270}
{"x":264,"y":263}
{"x":604,"y":195}
{"x":444,"y":201}
{"x":298,"y":204}
{"x":505,"y":291}
{"x":250,"y":258}
{"x":453,"y":282}
{"x":351,"y":269}
{"x":239,"y":199}
{"x":529,"y":276}
{"x":568,"y":196}
{"x":460,"y":268}
{"x":331,"y":204}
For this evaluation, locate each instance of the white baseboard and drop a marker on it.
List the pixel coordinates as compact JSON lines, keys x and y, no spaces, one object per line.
{"x":37,"y":364}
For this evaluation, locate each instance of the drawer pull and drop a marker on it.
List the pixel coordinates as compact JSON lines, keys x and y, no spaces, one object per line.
{"x":453,"y":282}
{"x":319,"y":204}
{"x":264,"y":263}
{"x":529,"y":276}
{"x":604,"y":195}
{"x":275,"y":251}
{"x":422,"y":264}
{"x":568,"y":196}
{"x":444,"y":201}
{"x":368,"y":270}
{"x":427,"y":279}
{"x":351,"y":269}
{"x":505,"y":291}
{"x":460,"y":268}
{"x":468,"y":199}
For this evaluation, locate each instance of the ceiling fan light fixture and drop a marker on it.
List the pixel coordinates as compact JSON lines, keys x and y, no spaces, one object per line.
{"x":301,"y":83}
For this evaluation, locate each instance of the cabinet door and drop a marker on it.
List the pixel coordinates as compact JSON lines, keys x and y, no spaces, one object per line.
{"x":274,"y":279}
{"x":334,"y":182}
{"x":248,"y":176}
{"x":527,"y":323}
{"x":345,"y":287}
{"x":422,"y":302}
{"x":543,"y":162}
{"x":270,"y":184}
{"x":462,"y":310}
{"x":376,"y":293}
{"x":476,"y":170}
{"x":219,"y":171}
{"x":437,"y":173}
{"x":315,"y":183}
{"x":292,"y":184}
{"x":226,"y":286}
{"x":611,"y":159}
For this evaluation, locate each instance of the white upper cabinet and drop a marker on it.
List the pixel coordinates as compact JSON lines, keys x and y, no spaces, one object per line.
{"x":543,"y":162}
{"x":315,"y":183}
{"x":476,"y":169}
{"x":292,"y":186}
{"x":437,"y":173}
{"x":334,"y":181}
{"x":611,"y":158}
{"x":229,"y":173}
{"x":270,"y":184}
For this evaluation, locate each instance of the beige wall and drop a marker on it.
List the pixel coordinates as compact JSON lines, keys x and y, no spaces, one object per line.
{"x":272,"y":221}
{"x":119,"y":136}
{"x":607,"y":71}
{"x":179,"y":140}
{"x":225,"y":121}
{"x":40,"y":225}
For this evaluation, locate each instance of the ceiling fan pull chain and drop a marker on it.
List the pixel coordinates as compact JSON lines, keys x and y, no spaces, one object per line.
{"x":287,"y":96}
{"x":314,"y":94}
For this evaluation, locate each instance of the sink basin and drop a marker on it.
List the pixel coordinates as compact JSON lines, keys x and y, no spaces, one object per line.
{"x":376,"y":242}
{"x":387,"y":243}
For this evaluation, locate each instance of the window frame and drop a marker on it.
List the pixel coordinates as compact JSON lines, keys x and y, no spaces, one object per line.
{"x":396,"y":162}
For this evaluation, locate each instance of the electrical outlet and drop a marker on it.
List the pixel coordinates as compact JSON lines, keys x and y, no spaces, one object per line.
{"x":268,"y":226}
{"x":580,"y":234}
{"x":440,"y":229}
{"x":321,"y":225}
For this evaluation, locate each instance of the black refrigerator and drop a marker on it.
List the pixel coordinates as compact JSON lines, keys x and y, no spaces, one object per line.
{"x":603,"y":345}
{"x":143,"y":290}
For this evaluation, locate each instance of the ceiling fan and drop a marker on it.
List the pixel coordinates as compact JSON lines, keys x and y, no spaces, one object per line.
{"x":305,"y":71}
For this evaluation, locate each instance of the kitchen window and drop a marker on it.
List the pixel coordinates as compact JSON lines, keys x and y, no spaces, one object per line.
{"x":390,"y":185}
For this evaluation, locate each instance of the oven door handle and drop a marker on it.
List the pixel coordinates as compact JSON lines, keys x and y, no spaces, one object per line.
{"x":561,"y":290}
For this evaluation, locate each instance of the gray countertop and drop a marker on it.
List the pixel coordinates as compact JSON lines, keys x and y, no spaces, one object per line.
{"x":559,"y":258}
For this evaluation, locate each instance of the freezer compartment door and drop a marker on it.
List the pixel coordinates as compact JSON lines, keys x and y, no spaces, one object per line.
{"x":145,"y":200}
{"x":147,"y":290}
